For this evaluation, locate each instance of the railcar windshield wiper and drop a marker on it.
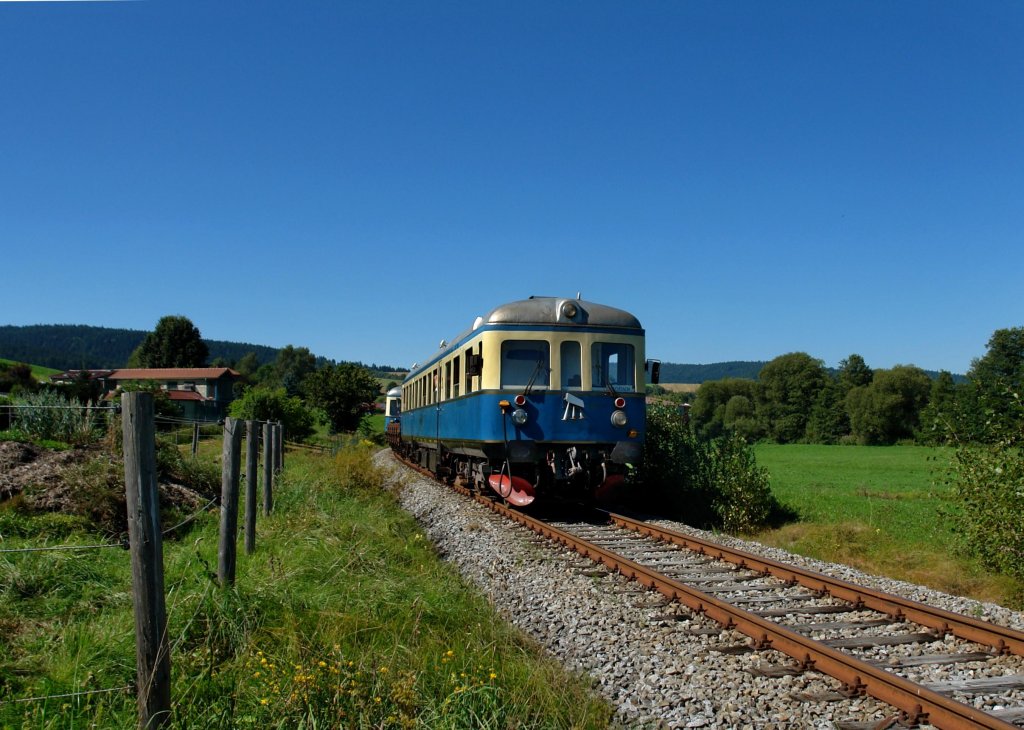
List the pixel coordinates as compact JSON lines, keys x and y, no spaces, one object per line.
{"x":536,"y":371}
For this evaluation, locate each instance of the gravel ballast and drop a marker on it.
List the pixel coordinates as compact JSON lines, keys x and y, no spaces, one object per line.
{"x":656,"y":662}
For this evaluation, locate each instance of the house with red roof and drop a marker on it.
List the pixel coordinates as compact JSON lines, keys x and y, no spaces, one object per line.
{"x":202,"y":393}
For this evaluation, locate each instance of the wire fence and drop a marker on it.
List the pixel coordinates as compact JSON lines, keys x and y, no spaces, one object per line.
{"x":227,"y":501}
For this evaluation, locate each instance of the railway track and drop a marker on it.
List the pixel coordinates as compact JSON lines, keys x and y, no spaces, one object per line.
{"x":874,"y":643}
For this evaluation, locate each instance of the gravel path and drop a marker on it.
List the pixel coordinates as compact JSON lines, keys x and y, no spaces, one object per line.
{"x":658,"y":664}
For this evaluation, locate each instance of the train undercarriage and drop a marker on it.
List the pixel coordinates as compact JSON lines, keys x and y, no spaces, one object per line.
{"x":523,"y":470}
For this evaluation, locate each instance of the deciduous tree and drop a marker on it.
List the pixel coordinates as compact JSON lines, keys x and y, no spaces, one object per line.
{"x":889,"y":408}
{"x":342,"y":392}
{"x":175,"y":343}
{"x":789,"y":387}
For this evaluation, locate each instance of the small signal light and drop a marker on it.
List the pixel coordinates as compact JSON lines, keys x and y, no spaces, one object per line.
{"x":620,"y":402}
{"x":520,"y":400}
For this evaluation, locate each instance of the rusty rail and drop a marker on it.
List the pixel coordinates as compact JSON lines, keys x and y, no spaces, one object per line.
{"x":917,"y":704}
{"x":1000,"y":638}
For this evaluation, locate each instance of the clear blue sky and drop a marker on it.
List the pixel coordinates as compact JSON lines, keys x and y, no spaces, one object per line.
{"x":364,"y":178}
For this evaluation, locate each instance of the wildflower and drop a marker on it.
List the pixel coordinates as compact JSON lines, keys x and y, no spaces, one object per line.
{"x":264,"y":701}
{"x":321,"y":663}
{"x":493,"y":675}
{"x":256,"y":675}
{"x":449,"y":653}
{"x":382,"y":670}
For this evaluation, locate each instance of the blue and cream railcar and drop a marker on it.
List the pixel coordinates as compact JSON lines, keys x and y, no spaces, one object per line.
{"x":537,"y":395}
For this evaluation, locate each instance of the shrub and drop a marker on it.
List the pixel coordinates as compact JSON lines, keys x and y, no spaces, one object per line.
{"x":274,"y":404}
{"x":713,"y":483}
{"x":988,"y":493}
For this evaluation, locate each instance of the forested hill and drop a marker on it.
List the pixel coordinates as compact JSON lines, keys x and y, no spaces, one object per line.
{"x":70,"y":346}
{"x":676,"y":373}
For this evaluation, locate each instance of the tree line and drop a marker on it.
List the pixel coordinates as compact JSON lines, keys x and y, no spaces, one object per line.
{"x":796,"y":399}
{"x":297,"y":387}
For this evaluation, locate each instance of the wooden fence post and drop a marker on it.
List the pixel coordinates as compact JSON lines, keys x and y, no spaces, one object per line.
{"x":268,"y":469}
{"x":195,"y":440}
{"x":152,"y":652}
{"x":252,"y":465}
{"x":231,"y":462}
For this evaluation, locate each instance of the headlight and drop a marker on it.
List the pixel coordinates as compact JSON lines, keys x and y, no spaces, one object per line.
{"x":619,"y":418}
{"x":519,"y":417}
{"x":568,"y":310}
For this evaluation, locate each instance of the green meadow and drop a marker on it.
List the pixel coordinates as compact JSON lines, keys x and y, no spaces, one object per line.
{"x":38,"y":371}
{"x":344,"y":617}
{"x":882,"y":509}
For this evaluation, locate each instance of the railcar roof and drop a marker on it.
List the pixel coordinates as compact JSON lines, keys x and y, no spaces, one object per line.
{"x":546,"y":310}
{"x":537,"y":311}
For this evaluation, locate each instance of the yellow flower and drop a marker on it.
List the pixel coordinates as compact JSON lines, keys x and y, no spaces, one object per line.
{"x":449,"y":653}
{"x":493,"y":675}
{"x":321,"y":664}
{"x":256,"y":675}
{"x":382,"y":670}
{"x":264,"y":701}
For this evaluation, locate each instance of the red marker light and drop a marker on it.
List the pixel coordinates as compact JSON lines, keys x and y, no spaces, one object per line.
{"x":620,"y":402}
{"x":520,"y":400}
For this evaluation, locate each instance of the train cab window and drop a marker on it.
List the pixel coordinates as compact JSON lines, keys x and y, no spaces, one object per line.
{"x":525,"y":362}
{"x":571,"y":364}
{"x":469,"y":370}
{"x":612,"y":364}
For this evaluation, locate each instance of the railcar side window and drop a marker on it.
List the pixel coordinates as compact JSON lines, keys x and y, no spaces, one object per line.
{"x":571,"y":364}
{"x":612,"y":363}
{"x":525,"y":362}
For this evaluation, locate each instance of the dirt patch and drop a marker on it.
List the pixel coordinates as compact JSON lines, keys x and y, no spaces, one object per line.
{"x":28,"y":466}
{"x":85,"y":481}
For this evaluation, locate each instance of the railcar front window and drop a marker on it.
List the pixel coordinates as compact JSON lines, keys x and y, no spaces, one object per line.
{"x":525,"y":362}
{"x":571,"y":364}
{"x":612,"y":364}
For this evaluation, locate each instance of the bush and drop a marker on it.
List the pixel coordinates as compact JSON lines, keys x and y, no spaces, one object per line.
{"x":988,"y":494}
{"x":274,"y":404}
{"x":712,"y":483}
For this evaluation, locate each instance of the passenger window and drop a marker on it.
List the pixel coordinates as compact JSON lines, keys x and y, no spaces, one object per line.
{"x":612,"y":364}
{"x":571,"y":364}
{"x":455,"y":381}
{"x":525,"y":362}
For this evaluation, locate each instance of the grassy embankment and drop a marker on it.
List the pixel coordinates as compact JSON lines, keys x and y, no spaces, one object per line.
{"x":880,"y":509}
{"x":38,"y":371}
{"x":344,"y":617}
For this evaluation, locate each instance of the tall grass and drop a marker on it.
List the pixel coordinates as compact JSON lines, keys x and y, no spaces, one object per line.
{"x":344,"y":617}
{"x":51,"y":416}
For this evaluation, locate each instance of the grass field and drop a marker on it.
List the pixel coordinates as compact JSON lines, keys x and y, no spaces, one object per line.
{"x":880,"y":509}
{"x":344,"y":617}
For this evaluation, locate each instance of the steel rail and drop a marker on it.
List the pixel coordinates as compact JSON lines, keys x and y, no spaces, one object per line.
{"x":916,"y":703}
{"x":1002,"y":639}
